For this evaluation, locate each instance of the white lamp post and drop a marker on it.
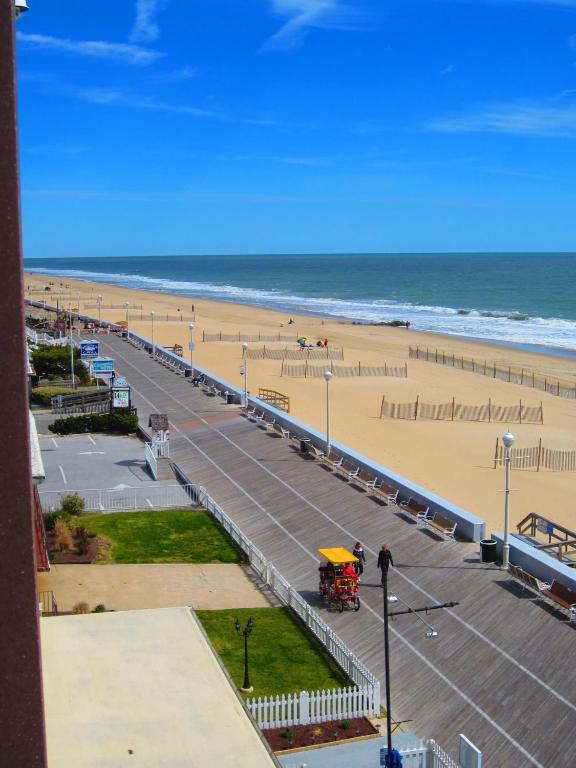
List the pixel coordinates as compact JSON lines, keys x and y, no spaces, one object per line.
{"x":245,"y":356}
{"x":126,"y":305}
{"x":508,"y":441}
{"x":71,"y":342}
{"x":152,"y":321}
{"x":191,"y":346}
{"x":99,"y":302}
{"x":327,"y":379}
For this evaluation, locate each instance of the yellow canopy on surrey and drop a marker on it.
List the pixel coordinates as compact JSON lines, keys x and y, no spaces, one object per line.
{"x":337,"y":555}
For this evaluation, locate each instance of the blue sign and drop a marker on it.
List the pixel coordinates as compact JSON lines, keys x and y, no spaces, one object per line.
{"x":102,"y":365}
{"x":89,"y":349}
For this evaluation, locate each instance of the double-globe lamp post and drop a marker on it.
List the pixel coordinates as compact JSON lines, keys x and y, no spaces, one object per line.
{"x":508,"y":441}
{"x":328,"y":379}
{"x":246,"y":687}
{"x":99,"y":302}
{"x":152,"y":322}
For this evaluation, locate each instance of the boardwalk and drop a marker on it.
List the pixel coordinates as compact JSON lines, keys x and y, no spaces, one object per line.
{"x":502,"y":669}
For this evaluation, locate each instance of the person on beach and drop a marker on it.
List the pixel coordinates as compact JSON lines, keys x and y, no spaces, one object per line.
{"x":325,"y":342}
{"x":358,"y":552}
{"x":384,"y":560}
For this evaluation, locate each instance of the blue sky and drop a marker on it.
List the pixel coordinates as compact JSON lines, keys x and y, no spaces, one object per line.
{"x":255,"y":126}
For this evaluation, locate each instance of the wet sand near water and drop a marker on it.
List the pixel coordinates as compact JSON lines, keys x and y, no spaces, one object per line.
{"x":451,"y":459}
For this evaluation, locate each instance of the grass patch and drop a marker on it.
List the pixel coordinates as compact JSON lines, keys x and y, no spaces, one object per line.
{"x":283,"y":656}
{"x":167,"y":536}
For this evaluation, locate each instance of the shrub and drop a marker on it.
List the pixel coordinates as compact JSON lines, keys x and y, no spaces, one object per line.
{"x":44,"y":395}
{"x":81,"y":607}
{"x":82,"y":540}
{"x":287,"y":734}
{"x":120,"y":423}
{"x":63,"y":536}
{"x":50,"y":519}
{"x":72,"y":504}
{"x":345,"y":725}
{"x":100,"y":608}
{"x":54,"y":363}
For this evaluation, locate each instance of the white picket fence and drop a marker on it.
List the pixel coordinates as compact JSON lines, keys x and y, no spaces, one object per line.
{"x":309,"y":707}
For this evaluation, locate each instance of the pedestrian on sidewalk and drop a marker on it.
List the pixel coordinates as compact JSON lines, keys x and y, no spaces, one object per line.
{"x":358,"y":552}
{"x":384,"y":560}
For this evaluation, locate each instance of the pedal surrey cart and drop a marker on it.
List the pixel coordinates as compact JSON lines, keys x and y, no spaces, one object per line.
{"x":338,"y":583}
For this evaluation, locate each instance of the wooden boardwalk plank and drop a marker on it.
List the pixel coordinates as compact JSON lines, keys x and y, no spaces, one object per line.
{"x":502,"y":669}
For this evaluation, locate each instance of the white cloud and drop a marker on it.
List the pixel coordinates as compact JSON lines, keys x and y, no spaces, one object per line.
{"x":145,"y":29}
{"x":305,"y":15}
{"x":131,"y":54}
{"x":184,"y":73}
{"x":115,"y":98}
{"x":513,"y":119}
{"x":447,"y":70}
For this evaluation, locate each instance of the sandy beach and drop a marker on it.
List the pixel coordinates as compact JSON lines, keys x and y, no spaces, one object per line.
{"x":452,"y":459}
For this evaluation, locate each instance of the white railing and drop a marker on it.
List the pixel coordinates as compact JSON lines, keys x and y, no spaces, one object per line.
{"x":111,"y":500}
{"x":161,"y":448}
{"x":309,"y":707}
{"x":352,"y":666}
{"x":151,"y":460}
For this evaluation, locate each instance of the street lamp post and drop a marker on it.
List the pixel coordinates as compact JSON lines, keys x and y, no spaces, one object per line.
{"x":245,"y":357}
{"x":246,"y":687}
{"x":126,"y":306}
{"x":99,"y":302}
{"x":152,"y":321}
{"x":191,"y":347}
{"x":71,"y":342}
{"x":508,"y":440}
{"x":327,"y":379}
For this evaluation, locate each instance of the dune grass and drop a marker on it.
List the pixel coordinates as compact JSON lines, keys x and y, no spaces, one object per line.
{"x":164,"y":536}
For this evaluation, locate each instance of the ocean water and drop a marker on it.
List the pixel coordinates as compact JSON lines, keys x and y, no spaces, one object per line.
{"x":519,"y":298}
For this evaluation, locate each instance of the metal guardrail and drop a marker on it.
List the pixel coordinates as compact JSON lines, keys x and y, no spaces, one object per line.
{"x":151,"y":460}
{"x":121,"y":499}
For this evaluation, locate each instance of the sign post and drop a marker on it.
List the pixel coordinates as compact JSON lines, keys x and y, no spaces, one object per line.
{"x":89,"y":350}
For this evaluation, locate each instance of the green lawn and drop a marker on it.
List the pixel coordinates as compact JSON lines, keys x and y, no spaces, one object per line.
{"x":283,"y":656}
{"x":167,"y":536}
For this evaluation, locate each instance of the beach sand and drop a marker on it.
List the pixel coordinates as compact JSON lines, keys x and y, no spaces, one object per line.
{"x":452,"y":459}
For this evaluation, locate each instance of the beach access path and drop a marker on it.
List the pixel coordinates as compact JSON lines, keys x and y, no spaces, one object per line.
{"x":502,"y":669}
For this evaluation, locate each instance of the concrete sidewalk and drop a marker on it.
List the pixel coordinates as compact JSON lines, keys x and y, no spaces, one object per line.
{"x":130,"y":587}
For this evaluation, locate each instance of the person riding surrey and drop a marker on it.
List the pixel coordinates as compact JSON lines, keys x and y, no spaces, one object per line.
{"x":349,"y":571}
{"x":384,"y":560}
{"x":358,"y":552}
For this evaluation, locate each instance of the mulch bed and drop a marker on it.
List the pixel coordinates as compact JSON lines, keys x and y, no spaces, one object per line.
{"x":297,"y":736}
{"x":72,"y":556}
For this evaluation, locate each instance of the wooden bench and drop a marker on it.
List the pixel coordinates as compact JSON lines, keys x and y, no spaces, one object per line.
{"x":441,"y":525}
{"x":316,"y":452}
{"x":416,"y":509}
{"x":284,"y":433}
{"x":269,"y":423}
{"x":388,"y":492}
{"x":528,"y":581}
{"x":563,"y":597}
{"x":334,"y":463}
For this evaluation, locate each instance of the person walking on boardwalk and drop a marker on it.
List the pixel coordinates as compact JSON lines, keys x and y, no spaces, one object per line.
{"x":358,"y":552}
{"x":385,"y":560}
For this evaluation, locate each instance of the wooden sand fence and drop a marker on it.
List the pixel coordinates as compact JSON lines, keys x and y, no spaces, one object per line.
{"x":307,"y":371}
{"x":537,"y":457}
{"x":276,"y":399}
{"x":159,"y":317}
{"x":92,"y":305}
{"x":453,"y":411}
{"x":523,"y":376}
{"x":245,"y":337}
{"x":318,"y":353}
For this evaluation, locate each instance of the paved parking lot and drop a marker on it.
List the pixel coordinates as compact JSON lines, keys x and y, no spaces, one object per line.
{"x":98,"y":462}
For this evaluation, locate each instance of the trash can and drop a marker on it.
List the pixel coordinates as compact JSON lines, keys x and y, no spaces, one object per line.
{"x":187,"y":373}
{"x":304,"y":444}
{"x":231,"y":398}
{"x":488,"y":553}
{"x":124,"y":334}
